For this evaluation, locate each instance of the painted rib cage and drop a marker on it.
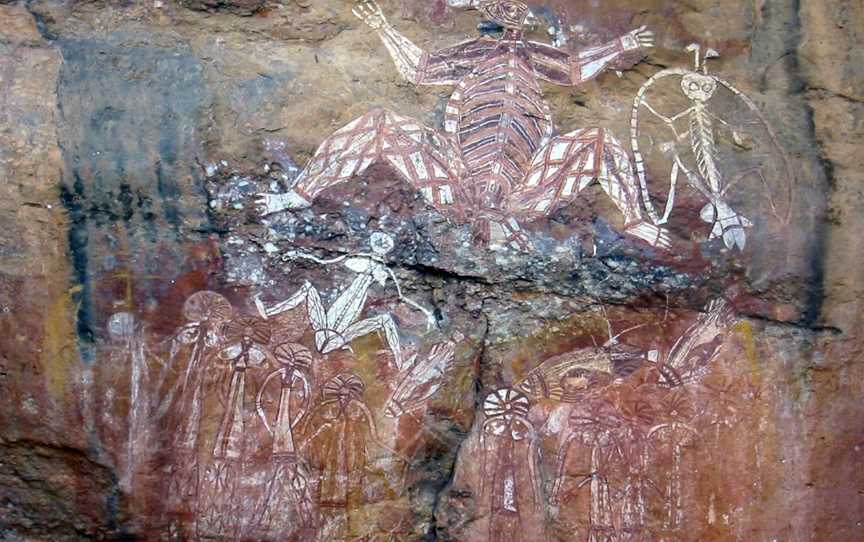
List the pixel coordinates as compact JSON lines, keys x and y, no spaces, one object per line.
{"x":499,"y":119}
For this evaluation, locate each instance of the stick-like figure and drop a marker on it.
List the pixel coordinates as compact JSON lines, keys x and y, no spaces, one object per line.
{"x":337,"y":326}
{"x":700,"y":87}
{"x":286,"y":509}
{"x":506,"y":428}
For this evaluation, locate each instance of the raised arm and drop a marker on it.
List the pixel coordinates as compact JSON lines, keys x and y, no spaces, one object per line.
{"x":443,"y":67}
{"x":566,"y":68}
{"x":431,"y":322}
{"x":293,"y":255}
{"x":405,"y":54}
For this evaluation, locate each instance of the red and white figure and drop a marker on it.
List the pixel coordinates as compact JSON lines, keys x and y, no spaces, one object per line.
{"x":697,"y":126}
{"x":286,"y":508}
{"x":498,"y":161}
{"x":192,"y":354}
{"x":691,"y":355}
{"x":127,"y":332}
{"x":244,"y":350}
{"x":337,"y":326}
{"x":668,"y":442}
{"x":598,"y":431}
{"x":422,"y":379}
{"x":337,"y":438}
{"x":295,"y":363}
{"x":509,"y":442}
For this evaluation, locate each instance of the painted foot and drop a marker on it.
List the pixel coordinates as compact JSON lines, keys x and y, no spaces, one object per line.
{"x":498,"y":231}
{"x":268,"y":204}
{"x":651,"y":234}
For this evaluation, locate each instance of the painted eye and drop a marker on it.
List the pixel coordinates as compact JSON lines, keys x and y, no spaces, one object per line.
{"x":706,"y":87}
{"x":694,"y":85}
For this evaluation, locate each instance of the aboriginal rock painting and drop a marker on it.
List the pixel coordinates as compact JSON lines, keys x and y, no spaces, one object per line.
{"x":287,"y":410}
{"x":260,"y":411}
{"x":264,"y":436}
{"x":597,"y":441}
{"x":688,"y":141}
{"x":498,"y":163}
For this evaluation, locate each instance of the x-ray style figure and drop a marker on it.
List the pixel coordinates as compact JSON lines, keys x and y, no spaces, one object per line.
{"x":701,"y":123}
{"x":244,"y":352}
{"x":669,"y":440}
{"x":422,"y":379}
{"x":498,"y":161}
{"x":504,"y":432}
{"x":337,"y":326}
{"x":596,"y":429}
{"x":286,"y":509}
{"x":337,"y":435}
{"x":192,"y":359}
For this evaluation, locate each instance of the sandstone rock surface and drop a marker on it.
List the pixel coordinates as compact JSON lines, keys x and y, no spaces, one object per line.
{"x":176,"y":366}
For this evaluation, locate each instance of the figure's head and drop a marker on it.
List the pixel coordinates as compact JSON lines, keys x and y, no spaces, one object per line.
{"x":507,"y":13}
{"x":698,"y":87}
{"x":381,"y":243}
{"x":344,"y":388}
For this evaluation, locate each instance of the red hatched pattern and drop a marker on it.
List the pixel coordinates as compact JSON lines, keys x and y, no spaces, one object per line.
{"x":496,"y":163}
{"x":417,"y":152}
{"x":569,"y":163}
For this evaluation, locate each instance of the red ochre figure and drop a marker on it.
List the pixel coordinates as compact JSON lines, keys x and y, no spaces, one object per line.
{"x":498,"y":161}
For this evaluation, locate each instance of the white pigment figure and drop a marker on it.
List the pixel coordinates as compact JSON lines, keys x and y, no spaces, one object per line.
{"x":699,"y":87}
{"x":337,"y":326}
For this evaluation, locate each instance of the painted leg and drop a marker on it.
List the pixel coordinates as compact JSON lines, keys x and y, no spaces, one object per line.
{"x":305,"y":292}
{"x":383,"y":323}
{"x":569,"y":163}
{"x":314,"y":309}
{"x":494,"y":228}
{"x":419,"y":154}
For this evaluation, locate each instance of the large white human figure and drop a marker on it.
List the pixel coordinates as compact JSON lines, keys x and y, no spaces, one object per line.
{"x":337,"y":326}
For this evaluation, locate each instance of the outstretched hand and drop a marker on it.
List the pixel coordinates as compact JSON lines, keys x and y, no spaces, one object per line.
{"x":268,"y":204}
{"x":641,"y":38}
{"x":370,"y":13}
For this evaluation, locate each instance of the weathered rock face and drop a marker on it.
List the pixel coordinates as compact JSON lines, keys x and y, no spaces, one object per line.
{"x":270,"y":271}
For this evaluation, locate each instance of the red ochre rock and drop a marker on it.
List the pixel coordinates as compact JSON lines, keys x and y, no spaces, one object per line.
{"x":414,"y":353}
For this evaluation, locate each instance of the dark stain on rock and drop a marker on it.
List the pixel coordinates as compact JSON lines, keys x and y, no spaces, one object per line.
{"x":73,"y":199}
{"x":243,"y":8}
{"x":126,"y":199}
{"x":170,"y":193}
{"x":131,"y":115}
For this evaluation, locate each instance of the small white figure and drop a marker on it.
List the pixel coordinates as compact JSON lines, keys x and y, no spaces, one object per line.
{"x":127,"y":332}
{"x":337,"y":326}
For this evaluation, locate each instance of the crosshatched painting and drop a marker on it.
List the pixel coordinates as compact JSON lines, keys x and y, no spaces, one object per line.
{"x":456,"y":270}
